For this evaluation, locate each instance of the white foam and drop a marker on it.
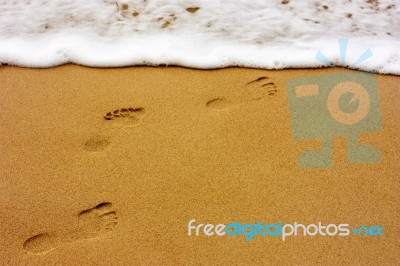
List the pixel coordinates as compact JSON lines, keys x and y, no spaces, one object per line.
{"x":257,"y":33}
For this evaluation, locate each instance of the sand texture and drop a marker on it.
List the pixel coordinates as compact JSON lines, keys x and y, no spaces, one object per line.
{"x":99,"y":166}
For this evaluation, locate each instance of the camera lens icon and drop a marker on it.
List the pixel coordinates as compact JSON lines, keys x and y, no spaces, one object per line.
{"x":341,"y":104}
{"x":359,"y":93}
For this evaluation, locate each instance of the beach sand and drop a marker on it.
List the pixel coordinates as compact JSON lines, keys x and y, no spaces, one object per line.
{"x":100,"y":166}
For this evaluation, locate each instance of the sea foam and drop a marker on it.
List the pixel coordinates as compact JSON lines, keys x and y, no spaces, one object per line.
{"x":201,"y":34}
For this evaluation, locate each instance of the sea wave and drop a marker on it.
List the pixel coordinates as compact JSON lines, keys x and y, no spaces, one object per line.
{"x":201,"y":34}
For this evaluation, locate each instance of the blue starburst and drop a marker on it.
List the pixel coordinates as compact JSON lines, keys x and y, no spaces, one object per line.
{"x":343,"y":50}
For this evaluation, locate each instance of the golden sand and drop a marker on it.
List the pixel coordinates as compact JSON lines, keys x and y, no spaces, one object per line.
{"x":100,"y":166}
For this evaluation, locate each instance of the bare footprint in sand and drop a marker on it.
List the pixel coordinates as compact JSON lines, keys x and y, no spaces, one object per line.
{"x":125,"y":116}
{"x":261,"y":88}
{"x":218,"y":103}
{"x":254,"y":90}
{"x":90,"y":223}
{"x":97,"y":143}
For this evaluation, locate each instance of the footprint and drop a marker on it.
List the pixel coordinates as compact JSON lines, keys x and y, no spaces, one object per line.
{"x":260,"y":88}
{"x":126,"y":116}
{"x":97,"y":143}
{"x":90,"y":223}
{"x":254,"y":90}
{"x":218,"y":104}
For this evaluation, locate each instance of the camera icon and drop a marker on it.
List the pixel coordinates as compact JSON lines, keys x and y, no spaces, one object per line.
{"x":342,"y":104}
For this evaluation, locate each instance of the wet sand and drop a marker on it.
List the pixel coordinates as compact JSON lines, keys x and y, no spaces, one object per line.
{"x":101,"y":166}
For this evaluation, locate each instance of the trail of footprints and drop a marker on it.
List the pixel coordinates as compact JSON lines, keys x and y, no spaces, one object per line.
{"x":97,"y":221}
{"x":254,"y":90}
{"x":90,"y":223}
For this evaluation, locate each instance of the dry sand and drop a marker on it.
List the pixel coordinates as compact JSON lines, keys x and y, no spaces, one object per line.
{"x":76,"y":188}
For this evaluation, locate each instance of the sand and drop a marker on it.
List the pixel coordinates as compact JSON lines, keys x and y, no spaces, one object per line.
{"x":99,"y":166}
